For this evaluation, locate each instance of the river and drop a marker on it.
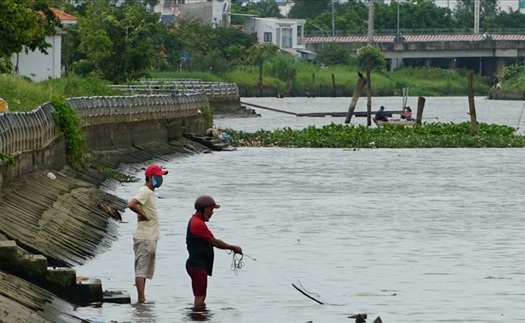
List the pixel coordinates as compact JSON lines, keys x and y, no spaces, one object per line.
{"x":410,"y":235}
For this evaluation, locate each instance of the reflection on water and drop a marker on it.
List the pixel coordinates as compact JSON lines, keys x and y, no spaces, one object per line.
{"x":144,"y":312}
{"x":411,"y":235}
{"x":199,"y":315}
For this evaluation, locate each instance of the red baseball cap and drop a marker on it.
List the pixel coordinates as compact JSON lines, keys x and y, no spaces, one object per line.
{"x":155,"y":170}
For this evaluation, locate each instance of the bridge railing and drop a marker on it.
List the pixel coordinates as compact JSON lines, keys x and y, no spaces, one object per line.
{"x":22,"y":131}
{"x":433,"y":31}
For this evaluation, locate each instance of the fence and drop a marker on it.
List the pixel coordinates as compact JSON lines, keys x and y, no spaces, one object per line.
{"x":21,"y":131}
{"x":215,"y":91}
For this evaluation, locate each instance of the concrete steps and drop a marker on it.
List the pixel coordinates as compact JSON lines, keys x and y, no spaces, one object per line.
{"x":62,"y":281}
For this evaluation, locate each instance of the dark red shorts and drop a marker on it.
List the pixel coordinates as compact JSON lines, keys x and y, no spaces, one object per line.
{"x":199,"y":280}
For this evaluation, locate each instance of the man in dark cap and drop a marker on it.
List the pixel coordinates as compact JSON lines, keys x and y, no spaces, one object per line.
{"x":200,"y":242}
{"x":380,"y":115}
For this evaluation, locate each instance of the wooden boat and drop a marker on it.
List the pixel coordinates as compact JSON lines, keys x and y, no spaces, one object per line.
{"x":397,"y":122}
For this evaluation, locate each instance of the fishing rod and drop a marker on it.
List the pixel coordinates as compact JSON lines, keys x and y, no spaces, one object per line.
{"x":519,"y":120}
{"x":315,"y":295}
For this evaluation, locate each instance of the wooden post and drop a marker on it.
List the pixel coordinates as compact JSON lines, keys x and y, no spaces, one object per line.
{"x":290,"y":83}
{"x":420,"y":106}
{"x":260,"y":77}
{"x":313,"y":84}
{"x":357,"y":92}
{"x":334,"y":91}
{"x":369,"y":93}
{"x":471,"y":105}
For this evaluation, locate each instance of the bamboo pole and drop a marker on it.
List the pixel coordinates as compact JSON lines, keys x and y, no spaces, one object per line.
{"x":357,"y":92}
{"x":471,"y":105}
{"x":334,"y":91}
{"x":369,"y":93}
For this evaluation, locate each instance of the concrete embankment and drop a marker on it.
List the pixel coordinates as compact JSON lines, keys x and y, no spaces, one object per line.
{"x":54,"y":217}
{"x":503,"y":94}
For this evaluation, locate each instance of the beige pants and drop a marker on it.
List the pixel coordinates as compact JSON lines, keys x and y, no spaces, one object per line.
{"x":145,"y":252}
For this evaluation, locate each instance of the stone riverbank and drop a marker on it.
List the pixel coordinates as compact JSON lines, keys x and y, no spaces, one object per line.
{"x":54,"y":217}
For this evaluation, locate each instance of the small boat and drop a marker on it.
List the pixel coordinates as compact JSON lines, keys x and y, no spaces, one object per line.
{"x":397,"y":122}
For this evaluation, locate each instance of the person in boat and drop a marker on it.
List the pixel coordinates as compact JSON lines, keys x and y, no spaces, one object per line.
{"x":380,"y":115}
{"x":200,"y":242}
{"x":407,"y":114}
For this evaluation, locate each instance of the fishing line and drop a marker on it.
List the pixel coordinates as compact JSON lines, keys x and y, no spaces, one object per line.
{"x":309,"y":292}
{"x":237,"y":263}
{"x":519,"y":120}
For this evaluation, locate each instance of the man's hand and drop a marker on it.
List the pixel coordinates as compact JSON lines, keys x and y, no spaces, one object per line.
{"x":237,"y":249}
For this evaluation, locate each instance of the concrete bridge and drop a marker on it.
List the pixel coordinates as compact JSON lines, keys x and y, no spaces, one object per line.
{"x":484,"y":53}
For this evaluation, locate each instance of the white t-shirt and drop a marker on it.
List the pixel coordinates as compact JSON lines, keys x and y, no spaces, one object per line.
{"x":147,"y":230}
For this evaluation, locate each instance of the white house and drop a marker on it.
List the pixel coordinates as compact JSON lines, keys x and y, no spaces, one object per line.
{"x":215,"y":12}
{"x":287,"y":34}
{"x":39,"y":66}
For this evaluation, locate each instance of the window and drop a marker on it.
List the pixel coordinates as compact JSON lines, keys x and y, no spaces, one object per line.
{"x":286,"y":38}
{"x":267,"y":38}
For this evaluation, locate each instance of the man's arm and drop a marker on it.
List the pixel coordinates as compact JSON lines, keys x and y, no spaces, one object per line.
{"x":134,"y":205}
{"x":223,"y":245}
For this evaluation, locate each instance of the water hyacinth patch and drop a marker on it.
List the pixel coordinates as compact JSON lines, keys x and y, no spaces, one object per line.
{"x":428,"y":135}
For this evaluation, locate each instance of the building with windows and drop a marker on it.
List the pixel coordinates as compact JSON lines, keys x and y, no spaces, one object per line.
{"x":215,"y":12}
{"x":284,"y":33}
{"x":41,"y":66}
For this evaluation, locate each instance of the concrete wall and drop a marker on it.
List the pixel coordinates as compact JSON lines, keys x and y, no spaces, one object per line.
{"x":53,"y":216}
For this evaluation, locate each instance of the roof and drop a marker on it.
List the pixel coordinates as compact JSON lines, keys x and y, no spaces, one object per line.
{"x":64,"y":17}
{"x":305,"y":51}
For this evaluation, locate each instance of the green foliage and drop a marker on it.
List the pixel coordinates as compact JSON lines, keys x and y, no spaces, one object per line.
{"x":212,"y":62}
{"x":265,"y":8}
{"x":113,"y":173}
{"x":512,"y":71}
{"x":377,"y":59}
{"x":303,"y":9}
{"x":25,"y":23}
{"x":334,"y":54}
{"x":429,"y":81}
{"x":429,"y":135}
{"x":9,"y":159}
{"x":207,"y":115}
{"x":282,"y":66}
{"x":68,"y":124}
{"x":24,"y":95}
{"x":119,"y":41}
{"x":5,"y":65}
{"x":204,"y":76}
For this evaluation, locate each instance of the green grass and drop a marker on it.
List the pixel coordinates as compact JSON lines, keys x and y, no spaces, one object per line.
{"x":22,"y":94}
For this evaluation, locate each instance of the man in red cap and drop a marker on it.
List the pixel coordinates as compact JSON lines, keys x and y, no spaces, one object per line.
{"x":144,"y":204}
{"x":200,"y":242}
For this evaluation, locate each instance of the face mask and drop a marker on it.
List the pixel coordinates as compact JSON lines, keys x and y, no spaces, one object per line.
{"x":156,"y":181}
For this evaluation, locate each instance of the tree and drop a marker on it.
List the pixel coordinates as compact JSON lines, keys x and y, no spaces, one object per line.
{"x":25,"y":23}
{"x":304,"y":9}
{"x":266,"y":8}
{"x":376,"y":57}
{"x":334,"y":54}
{"x":119,"y":42}
{"x":256,"y":56}
{"x":488,"y":11}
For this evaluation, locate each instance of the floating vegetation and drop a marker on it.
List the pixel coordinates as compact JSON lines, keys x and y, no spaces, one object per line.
{"x":428,"y":135}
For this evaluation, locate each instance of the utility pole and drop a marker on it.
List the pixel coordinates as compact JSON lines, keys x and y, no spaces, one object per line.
{"x":333,"y":19}
{"x":397,"y":30}
{"x":370,"y":21}
{"x":476,"y":17}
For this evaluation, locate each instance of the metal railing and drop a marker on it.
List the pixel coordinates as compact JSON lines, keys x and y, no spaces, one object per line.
{"x":216,"y":91}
